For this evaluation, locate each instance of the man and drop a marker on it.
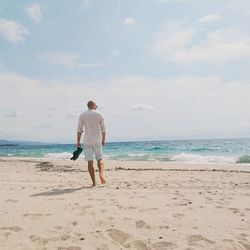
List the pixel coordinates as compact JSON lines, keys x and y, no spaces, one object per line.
{"x":91,"y":123}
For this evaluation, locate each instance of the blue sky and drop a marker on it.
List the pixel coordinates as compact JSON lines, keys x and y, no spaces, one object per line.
{"x":159,"y":69}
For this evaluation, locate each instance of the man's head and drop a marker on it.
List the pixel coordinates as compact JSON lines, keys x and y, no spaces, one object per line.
{"x":91,"y":105}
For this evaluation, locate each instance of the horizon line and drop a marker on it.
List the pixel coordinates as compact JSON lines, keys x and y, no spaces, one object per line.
{"x":137,"y":140}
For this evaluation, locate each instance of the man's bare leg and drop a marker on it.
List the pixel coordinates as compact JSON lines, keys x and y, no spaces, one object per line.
{"x":91,"y":171}
{"x":100,"y":165}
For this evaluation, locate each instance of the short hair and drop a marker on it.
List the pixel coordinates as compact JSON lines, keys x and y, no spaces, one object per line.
{"x":90,"y":104}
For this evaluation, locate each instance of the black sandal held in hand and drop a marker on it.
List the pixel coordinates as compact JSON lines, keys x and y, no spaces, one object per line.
{"x":76,"y":154}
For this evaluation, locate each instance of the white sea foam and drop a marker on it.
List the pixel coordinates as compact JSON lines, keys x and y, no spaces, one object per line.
{"x":136,"y":155}
{"x":64,"y":155}
{"x":182,"y":157}
{"x":196,"y":158}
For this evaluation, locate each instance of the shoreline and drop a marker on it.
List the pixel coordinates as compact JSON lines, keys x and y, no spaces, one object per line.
{"x":130,"y":165}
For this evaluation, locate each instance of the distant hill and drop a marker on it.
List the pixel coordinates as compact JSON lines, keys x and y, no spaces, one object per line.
{"x":7,"y":143}
{"x":16,"y":143}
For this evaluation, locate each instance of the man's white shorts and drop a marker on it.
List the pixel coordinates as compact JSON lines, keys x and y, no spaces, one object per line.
{"x":91,"y":150}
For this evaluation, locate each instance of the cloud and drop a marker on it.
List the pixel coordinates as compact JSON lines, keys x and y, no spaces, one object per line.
{"x":179,"y":44}
{"x":34,"y":12}
{"x":210,"y":18}
{"x":12,"y":31}
{"x":43,"y":126}
{"x":142,"y":107}
{"x":11,"y":114}
{"x":172,"y":39}
{"x":65,"y":59}
{"x":187,"y":107}
{"x":129,"y":21}
{"x":169,"y":1}
{"x":115,"y":52}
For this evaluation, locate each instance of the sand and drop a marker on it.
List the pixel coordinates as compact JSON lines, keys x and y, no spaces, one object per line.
{"x":47,"y":204}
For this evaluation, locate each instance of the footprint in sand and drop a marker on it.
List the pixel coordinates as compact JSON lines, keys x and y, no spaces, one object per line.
{"x":56,"y":199}
{"x":247,"y":246}
{"x":69,"y":248}
{"x":119,"y":236}
{"x":164,"y":227}
{"x":178,"y":216}
{"x":142,"y":224}
{"x":126,"y":240}
{"x":137,"y":245}
{"x":11,"y":200}
{"x":36,"y":216}
{"x":44,"y":241}
{"x":110,"y":218}
{"x":4,"y":236}
{"x":192,"y":239}
{"x":103,"y":247}
{"x":35,"y":239}
{"x":13,"y":228}
{"x":231,"y":245}
{"x":234,"y":210}
{"x":181,"y":204}
{"x":219,"y":207}
{"x":6,"y":232}
{"x":164,"y":245}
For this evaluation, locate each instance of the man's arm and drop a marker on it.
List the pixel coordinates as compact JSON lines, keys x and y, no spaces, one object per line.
{"x":103,"y":137}
{"x":78,"y":139}
{"x":103,"y":130}
{"x":79,"y":132}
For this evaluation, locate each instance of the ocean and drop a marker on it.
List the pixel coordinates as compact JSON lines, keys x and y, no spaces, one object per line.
{"x":189,"y":151}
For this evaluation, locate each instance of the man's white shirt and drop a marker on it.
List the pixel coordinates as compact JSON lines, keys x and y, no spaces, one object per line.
{"x":91,"y":122}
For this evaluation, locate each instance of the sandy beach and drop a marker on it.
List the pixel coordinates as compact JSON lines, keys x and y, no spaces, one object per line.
{"x":47,"y":204}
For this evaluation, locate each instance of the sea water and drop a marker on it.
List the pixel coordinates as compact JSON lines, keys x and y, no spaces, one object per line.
{"x":190,"y":151}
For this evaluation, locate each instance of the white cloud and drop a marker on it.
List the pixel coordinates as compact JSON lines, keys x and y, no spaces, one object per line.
{"x":184,"y":107}
{"x":66,"y":59}
{"x":34,"y":12}
{"x":87,"y":65}
{"x":210,"y":18}
{"x":115,"y":52}
{"x":11,"y":114}
{"x":172,"y":39}
{"x":169,"y":1}
{"x":142,"y":107}
{"x":12,"y":31}
{"x":180,"y":45}
{"x":129,"y":21}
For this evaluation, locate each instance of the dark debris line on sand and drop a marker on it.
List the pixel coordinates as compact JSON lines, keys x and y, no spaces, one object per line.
{"x":49,"y":167}
{"x":188,"y":170}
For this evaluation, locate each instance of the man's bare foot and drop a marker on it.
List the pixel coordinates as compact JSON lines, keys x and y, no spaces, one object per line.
{"x":102,"y":180}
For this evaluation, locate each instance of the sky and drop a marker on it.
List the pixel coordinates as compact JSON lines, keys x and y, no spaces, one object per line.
{"x":157,"y":69}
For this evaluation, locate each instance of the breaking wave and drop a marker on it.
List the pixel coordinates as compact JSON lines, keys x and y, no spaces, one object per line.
{"x":244,"y":159}
{"x":182,"y":157}
{"x":63,"y":155}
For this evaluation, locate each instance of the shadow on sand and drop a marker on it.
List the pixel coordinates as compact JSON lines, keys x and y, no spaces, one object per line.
{"x":56,"y":191}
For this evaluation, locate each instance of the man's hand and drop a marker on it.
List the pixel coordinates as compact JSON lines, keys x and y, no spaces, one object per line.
{"x":103,"y":138}
{"x":78,"y":144}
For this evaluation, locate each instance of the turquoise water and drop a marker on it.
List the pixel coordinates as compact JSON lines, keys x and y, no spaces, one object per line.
{"x":195,"y":151}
